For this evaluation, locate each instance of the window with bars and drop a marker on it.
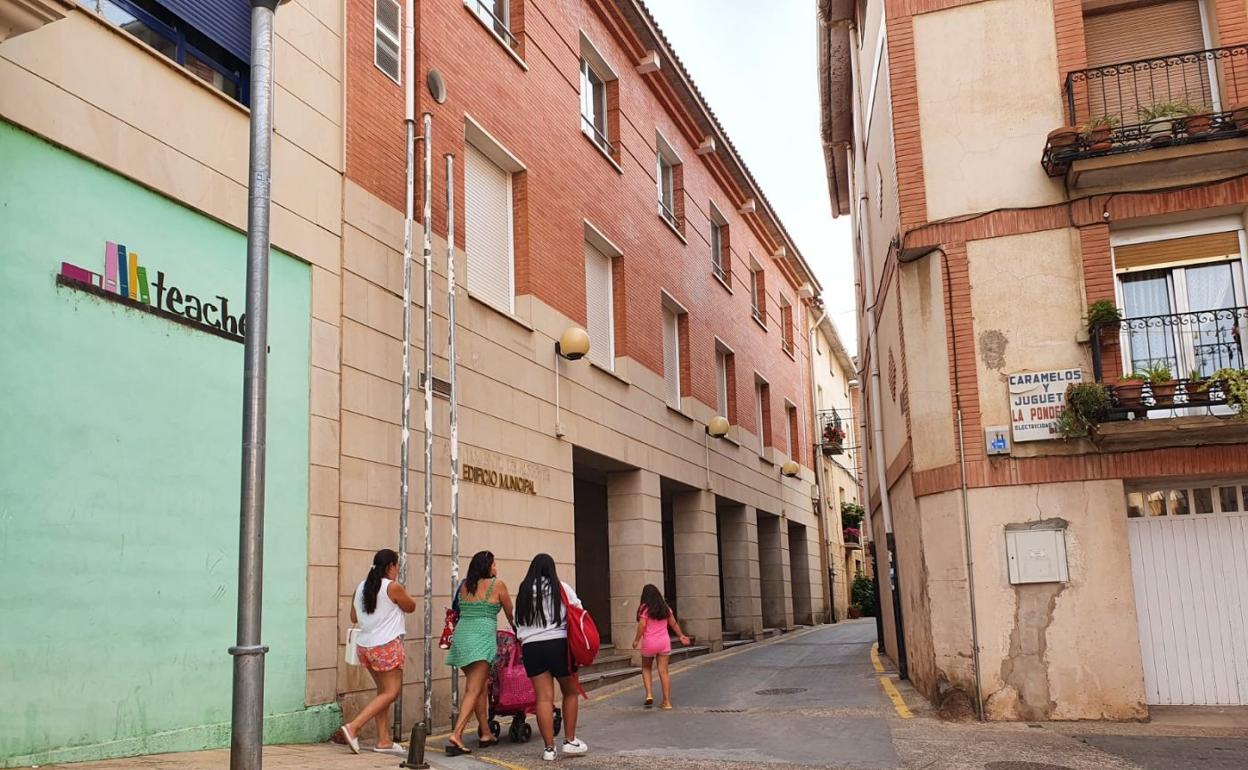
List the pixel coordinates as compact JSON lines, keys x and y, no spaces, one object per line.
{"x":387,"y":34}
{"x":791,"y":435}
{"x":671,"y":354}
{"x":725,"y":382}
{"x":762,"y":413}
{"x":670,"y":178}
{"x":721,"y":262}
{"x":758,"y":292}
{"x":786,"y":326}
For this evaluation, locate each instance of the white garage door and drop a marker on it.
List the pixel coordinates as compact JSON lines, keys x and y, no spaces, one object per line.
{"x":1189,"y":558}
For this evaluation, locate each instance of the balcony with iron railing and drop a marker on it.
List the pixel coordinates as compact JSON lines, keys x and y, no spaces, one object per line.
{"x":1179,"y":109}
{"x":501,"y":27}
{"x":832,"y":433}
{"x":1176,"y":365}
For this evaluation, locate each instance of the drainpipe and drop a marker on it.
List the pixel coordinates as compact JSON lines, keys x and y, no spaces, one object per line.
{"x":829,"y":605}
{"x":247,"y":711}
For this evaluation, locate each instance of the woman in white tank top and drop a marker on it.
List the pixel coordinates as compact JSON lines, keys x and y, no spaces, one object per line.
{"x":378,"y":609}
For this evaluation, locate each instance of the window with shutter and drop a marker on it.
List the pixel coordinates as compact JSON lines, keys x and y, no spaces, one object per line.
{"x":721,"y":383}
{"x":762,"y":414}
{"x":488,"y":230}
{"x":599,"y":302}
{"x":387,"y":30}
{"x":671,"y":357}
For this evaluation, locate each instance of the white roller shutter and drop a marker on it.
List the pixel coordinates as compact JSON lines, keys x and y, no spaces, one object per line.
{"x":488,"y":230}
{"x":721,"y":383}
{"x":671,"y":357}
{"x":598,"y":307}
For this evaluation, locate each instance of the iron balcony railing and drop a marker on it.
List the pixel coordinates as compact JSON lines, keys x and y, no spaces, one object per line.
{"x":668,"y":214}
{"x":501,"y":27}
{"x":597,"y":137}
{"x":1170,"y":360}
{"x":1131,"y":106}
{"x":757,"y":312}
{"x":832,"y":432}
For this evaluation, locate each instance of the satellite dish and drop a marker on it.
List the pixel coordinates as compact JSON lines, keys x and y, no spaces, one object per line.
{"x":437,"y":86}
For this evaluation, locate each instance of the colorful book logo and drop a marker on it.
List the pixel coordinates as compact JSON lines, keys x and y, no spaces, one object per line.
{"x":128,"y":280}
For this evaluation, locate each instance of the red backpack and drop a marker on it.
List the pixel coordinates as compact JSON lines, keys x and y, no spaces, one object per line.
{"x":583,"y":639}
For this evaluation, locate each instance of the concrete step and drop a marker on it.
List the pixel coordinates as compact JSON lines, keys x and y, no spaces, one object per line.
{"x":769,"y":633}
{"x":694,"y":651}
{"x":594,"y":677}
{"x":593,"y":681}
{"x":608,"y":660}
{"x":728,"y":645}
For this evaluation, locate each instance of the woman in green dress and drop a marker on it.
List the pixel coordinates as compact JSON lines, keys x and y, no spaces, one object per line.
{"x":474,"y":645}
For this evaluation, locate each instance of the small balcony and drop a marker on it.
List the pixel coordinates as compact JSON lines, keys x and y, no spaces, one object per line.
{"x":1183,"y":116}
{"x":831,"y":433}
{"x":1182,"y":372}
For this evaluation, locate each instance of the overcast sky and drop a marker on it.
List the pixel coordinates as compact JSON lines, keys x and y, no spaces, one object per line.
{"x":757,"y":65}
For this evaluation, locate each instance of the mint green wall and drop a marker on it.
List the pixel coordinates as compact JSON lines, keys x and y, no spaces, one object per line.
{"x":119,"y":476}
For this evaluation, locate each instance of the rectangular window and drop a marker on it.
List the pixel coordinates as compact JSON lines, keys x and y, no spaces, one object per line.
{"x":594,"y":106}
{"x":671,"y":356}
{"x":721,"y":382}
{"x":211,"y":44}
{"x":387,"y":32}
{"x":488,"y":230}
{"x":762,"y":413}
{"x":599,"y":306}
{"x":758,"y":292}
{"x":670,"y":177}
{"x":791,"y":436}
{"x":721,"y":261}
{"x":786,"y":326}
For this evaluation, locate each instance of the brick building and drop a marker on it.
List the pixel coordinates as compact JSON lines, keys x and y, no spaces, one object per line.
{"x":1048,"y":192}
{"x":594,"y":189}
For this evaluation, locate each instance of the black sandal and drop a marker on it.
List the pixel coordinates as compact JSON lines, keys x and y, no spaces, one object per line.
{"x":483,"y":743}
{"x":455,"y":749}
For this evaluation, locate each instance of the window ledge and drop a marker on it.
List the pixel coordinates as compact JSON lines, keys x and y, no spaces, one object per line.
{"x":610,"y":372}
{"x":722,"y":281}
{"x":618,"y":169}
{"x":680,"y":412}
{"x":790,"y":353}
{"x":758,"y":321}
{"x":497,"y":37}
{"x":675,"y":231}
{"x":762,"y":458}
{"x":509,"y":316}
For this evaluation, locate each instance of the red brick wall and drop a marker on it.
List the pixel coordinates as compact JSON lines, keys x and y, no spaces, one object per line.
{"x":535,"y":114}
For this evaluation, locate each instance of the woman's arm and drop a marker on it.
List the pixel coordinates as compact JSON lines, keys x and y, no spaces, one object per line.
{"x":504,"y":599}
{"x":641,"y":629}
{"x":398,"y":594}
{"x":675,"y":626}
{"x":354,"y":619}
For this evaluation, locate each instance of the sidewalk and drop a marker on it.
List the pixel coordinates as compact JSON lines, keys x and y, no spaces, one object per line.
{"x":313,"y":756}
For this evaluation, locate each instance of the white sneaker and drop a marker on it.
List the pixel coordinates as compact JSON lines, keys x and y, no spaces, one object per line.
{"x":575,"y":747}
{"x":549,"y":754}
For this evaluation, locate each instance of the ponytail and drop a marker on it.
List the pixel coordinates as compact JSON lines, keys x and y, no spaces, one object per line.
{"x":382,"y":562}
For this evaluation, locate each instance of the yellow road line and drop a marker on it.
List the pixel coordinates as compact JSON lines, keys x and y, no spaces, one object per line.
{"x":499,"y":762}
{"x":890,"y":690}
{"x":875,"y":659}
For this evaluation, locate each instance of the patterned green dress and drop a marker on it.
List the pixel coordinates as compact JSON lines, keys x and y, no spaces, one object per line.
{"x":476,"y":633}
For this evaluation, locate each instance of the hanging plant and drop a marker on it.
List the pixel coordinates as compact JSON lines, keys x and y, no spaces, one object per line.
{"x":1234,"y":386}
{"x":1103,"y":312}
{"x":1087,"y":404}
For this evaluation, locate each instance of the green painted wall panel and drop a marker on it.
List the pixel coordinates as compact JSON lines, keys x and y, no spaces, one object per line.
{"x":119,"y":473}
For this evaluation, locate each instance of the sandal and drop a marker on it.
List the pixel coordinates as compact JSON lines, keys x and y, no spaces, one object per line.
{"x":454,"y":749}
{"x":648,"y":703}
{"x":485,"y":743}
{"x":666,"y":707}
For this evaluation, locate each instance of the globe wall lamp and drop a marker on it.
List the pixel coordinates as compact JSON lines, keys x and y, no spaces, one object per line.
{"x":573,"y":345}
{"x":790,"y":469}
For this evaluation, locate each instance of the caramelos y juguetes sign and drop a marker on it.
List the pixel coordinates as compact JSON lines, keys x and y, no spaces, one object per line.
{"x":127,"y":281}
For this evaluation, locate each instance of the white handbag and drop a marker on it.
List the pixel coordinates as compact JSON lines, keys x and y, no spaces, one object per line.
{"x":352,"y":653}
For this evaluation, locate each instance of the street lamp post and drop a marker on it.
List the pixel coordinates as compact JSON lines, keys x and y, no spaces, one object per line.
{"x":247,"y":717}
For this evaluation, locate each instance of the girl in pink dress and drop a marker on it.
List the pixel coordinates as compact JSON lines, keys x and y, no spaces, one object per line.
{"x":654,"y":618}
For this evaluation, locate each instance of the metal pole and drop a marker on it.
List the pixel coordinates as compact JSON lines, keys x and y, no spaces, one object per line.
{"x":428,"y":257}
{"x":409,"y":213}
{"x":247,"y":715}
{"x":970,"y":574}
{"x":454,"y":430}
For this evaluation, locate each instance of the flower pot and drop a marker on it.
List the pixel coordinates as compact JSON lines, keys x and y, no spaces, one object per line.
{"x":855,"y":612}
{"x":1098,"y":139}
{"x":1066,"y":136}
{"x":1163,"y":392}
{"x":1239,"y":116}
{"x":1130,"y":396}
{"x":1195,"y":125}
{"x":1197,"y":392}
{"x":1161,"y":131}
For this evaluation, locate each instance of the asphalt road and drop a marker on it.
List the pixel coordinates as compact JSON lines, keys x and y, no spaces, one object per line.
{"x":814,"y":699}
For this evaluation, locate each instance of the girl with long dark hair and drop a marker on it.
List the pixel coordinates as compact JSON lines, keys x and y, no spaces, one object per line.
{"x":474,"y":645}
{"x":542,"y":628}
{"x":654,"y":618}
{"x":377,"y":609}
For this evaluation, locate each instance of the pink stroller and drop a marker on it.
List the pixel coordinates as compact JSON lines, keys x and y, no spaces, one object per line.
{"x":511,"y":692}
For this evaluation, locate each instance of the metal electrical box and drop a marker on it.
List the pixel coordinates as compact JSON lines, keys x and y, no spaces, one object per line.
{"x":1037,"y":553}
{"x":997,"y":440}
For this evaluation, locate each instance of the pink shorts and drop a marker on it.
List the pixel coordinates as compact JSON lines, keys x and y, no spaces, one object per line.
{"x":386,"y":657}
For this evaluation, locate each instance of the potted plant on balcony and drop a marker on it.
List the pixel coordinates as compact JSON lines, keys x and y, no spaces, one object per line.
{"x":852,"y":535}
{"x":1239,"y":116}
{"x":1129,"y":392}
{"x":1161,"y":383}
{"x":1161,"y":120}
{"x":852,"y":514}
{"x":1097,"y":131}
{"x":1234,"y":386}
{"x":1196,"y":388}
{"x":833,"y":439}
{"x":1087,"y":404}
